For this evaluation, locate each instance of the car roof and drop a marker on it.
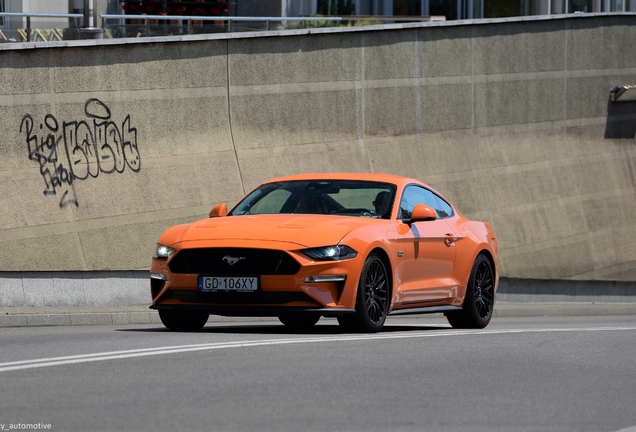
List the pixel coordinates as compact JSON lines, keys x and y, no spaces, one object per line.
{"x":385,"y":178}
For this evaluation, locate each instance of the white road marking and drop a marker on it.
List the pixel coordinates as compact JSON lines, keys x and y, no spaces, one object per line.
{"x":114,"y":355}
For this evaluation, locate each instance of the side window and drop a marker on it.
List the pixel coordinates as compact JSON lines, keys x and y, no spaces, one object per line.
{"x":443,"y":208}
{"x":414,"y":195}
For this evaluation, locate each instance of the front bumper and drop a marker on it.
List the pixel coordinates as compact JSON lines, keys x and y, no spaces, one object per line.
{"x":327,"y":287}
{"x":254,"y":310}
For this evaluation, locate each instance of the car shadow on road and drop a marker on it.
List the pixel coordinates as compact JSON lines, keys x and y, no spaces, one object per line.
{"x":280,"y":329}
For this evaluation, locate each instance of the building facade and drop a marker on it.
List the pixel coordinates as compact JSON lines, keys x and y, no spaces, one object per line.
{"x":451,"y":9}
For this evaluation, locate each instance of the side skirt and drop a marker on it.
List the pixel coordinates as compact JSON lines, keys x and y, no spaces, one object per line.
{"x":425,"y":310}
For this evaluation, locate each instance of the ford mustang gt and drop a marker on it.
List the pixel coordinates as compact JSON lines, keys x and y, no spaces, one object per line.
{"x":357,"y":247}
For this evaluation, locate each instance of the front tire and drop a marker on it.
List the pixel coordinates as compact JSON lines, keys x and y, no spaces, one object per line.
{"x":186,"y":321}
{"x":372,"y":299}
{"x":479,"y":301}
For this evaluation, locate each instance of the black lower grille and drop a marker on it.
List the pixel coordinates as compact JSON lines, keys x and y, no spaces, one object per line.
{"x":271,"y":298}
{"x":234,"y":262}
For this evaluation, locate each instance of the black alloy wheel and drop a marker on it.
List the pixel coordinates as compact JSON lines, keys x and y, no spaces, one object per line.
{"x":299,"y":321}
{"x":480,"y":297}
{"x":372,"y":300}
{"x":184,"y":321}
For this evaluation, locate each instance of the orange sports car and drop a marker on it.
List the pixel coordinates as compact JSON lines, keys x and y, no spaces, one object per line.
{"x":358,"y":247}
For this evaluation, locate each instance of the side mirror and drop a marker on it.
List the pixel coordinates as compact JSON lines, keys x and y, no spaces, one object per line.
{"x":423,"y":212}
{"x":219,"y":211}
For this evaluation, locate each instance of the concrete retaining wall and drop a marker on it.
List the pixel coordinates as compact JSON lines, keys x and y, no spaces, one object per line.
{"x":74,"y":288}
{"x":124,"y":288}
{"x":106,"y":143}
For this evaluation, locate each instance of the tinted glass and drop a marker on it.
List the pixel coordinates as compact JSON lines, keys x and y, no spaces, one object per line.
{"x":443,"y":208}
{"x":414,"y":195}
{"x":342,"y":197}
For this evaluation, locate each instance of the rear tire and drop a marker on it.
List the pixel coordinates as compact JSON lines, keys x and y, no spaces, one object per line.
{"x":372,"y":299}
{"x":299,"y":321}
{"x":186,"y":321}
{"x":479,"y":301}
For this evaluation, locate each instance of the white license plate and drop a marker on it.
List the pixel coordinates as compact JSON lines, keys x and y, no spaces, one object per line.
{"x":228,"y":284}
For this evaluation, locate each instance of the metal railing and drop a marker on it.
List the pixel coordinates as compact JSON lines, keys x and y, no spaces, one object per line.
{"x":185,"y":24}
{"x":190,"y":19}
{"x":28,"y":29}
{"x":229,"y":23}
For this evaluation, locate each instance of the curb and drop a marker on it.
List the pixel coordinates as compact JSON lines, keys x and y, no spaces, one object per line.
{"x":125,"y":315}
{"x":520,"y":310}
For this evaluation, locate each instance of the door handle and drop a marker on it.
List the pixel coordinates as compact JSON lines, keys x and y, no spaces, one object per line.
{"x":449,"y":239}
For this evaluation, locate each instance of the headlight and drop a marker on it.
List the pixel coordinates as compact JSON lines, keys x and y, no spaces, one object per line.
{"x":163,"y":251}
{"x":330,"y":253}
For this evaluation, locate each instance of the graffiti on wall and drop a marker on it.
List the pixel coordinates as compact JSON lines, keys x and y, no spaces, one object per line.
{"x":80,"y":149}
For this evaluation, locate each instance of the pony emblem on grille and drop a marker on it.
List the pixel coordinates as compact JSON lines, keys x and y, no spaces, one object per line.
{"x":230,"y":260}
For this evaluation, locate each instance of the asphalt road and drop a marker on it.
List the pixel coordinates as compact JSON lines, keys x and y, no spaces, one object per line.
{"x":519,"y":374}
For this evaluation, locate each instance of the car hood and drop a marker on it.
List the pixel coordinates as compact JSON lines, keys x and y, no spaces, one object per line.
{"x":303,"y":230}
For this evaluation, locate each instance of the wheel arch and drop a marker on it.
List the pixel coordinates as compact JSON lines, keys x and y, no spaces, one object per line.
{"x":389,"y":269}
{"x":491,"y":259}
{"x":485,"y":252}
{"x":482,"y":250}
{"x":369,"y":316}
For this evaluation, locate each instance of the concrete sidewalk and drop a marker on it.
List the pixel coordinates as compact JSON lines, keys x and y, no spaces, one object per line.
{"x":120,"y":315}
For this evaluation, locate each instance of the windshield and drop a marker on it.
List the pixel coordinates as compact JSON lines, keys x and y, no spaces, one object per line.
{"x":341,"y":197}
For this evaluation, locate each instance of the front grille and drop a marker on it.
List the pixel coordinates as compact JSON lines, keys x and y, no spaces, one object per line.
{"x":234,"y":262}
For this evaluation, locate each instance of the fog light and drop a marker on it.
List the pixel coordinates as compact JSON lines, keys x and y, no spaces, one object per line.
{"x":326,"y":278}
{"x":158,"y":276}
